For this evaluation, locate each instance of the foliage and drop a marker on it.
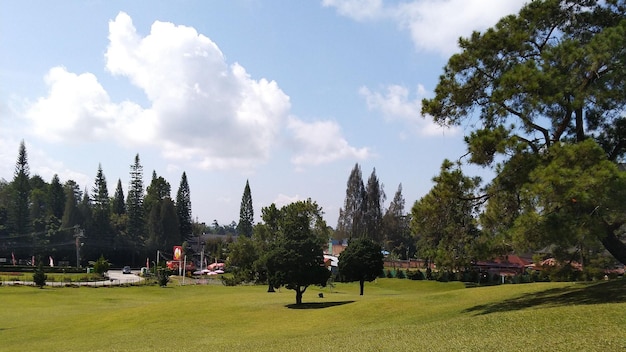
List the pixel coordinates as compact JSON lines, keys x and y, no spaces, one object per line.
{"x":134,"y":204}
{"x":39,"y":276}
{"x":183,"y":207}
{"x":551,"y":76}
{"x":443,"y":221}
{"x":241,"y":258}
{"x":19,"y":215}
{"x":296,"y":261}
{"x":395,"y":224}
{"x":163,"y":276}
{"x":101,"y":266}
{"x":246,"y":213}
{"x":361,"y":261}
{"x":351,"y":222}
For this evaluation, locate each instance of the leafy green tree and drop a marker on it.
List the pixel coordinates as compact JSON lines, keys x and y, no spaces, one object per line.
{"x":361,"y":261}
{"x":169,"y":223}
{"x":246,"y":213}
{"x":297,"y":259}
{"x":241,"y":257}
{"x":444,"y":222}
{"x":183,"y":207}
{"x":101,"y":266}
{"x":373,"y":209}
{"x":551,"y":75}
{"x":265,"y":236}
{"x":351,"y":221}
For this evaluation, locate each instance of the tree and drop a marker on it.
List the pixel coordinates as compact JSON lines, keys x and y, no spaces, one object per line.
{"x":183,"y":207}
{"x":297,"y":259}
{"x":241,"y":257}
{"x":246,"y":213}
{"x":373,"y":209}
{"x":443,"y":221}
{"x":118,"y":206}
{"x":101,"y":237}
{"x":361,"y":261}
{"x":351,"y":222}
{"x":551,"y":75}
{"x":134,"y":205}
{"x":39,"y":276}
{"x":19,"y":214}
{"x":396,"y":227}
{"x":56,"y":198}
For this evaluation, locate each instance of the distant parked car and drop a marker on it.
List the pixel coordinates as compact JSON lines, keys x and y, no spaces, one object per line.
{"x":126,"y":270}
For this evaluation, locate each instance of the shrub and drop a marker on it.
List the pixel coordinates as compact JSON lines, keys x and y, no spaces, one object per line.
{"x":101,"y":266}
{"x":163,"y":276}
{"x":415,"y":275}
{"x":388,"y":274}
{"x":39,"y":277}
{"x":400,"y":274}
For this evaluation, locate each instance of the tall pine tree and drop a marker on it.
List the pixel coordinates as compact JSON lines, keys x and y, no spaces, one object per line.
{"x":101,"y":235}
{"x":118,"y":207}
{"x":373,"y":215}
{"x":351,"y":223}
{"x":19,"y":214}
{"x":246,"y":213}
{"x":183,"y":207}
{"x":134,"y":206}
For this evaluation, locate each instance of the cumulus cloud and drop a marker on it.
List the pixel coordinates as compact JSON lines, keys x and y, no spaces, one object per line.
{"x":283,"y":200}
{"x":357,"y":9}
{"x":200,"y":110}
{"x":321,"y":142}
{"x":434,"y":25}
{"x":396,"y":104}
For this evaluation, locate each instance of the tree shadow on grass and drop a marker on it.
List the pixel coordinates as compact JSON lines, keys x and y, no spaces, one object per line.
{"x":317,"y":305}
{"x":578,"y":294}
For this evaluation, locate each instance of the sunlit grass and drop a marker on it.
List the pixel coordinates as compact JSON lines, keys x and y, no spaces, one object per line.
{"x":393,"y":315}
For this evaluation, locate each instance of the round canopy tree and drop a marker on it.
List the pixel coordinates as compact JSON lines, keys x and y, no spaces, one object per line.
{"x":361,"y":261}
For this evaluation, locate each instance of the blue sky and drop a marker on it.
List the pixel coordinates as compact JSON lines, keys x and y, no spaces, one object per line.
{"x":286,"y":94}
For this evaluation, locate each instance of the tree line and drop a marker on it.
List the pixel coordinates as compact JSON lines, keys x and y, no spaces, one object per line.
{"x":67,"y":223}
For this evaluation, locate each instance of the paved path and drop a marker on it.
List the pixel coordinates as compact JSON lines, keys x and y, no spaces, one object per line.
{"x":116,"y":278}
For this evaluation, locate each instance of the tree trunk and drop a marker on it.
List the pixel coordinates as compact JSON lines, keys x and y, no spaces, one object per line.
{"x":362,"y":283}
{"x":615,"y":246}
{"x":270,"y":287}
{"x":298,"y":296}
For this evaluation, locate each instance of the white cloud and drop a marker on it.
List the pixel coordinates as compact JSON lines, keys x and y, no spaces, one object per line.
{"x":282,"y":200}
{"x":434,"y":25}
{"x":396,"y":104}
{"x":201,"y":110}
{"x":321,"y":142}
{"x":357,"y":9}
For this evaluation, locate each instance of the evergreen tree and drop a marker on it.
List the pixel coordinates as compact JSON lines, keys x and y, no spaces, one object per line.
{"x":373,"y":215}
{"x":101,"y":236}
{"x":351,"y":217}
{"x":246,"y":213}
{"x":169,"y":224}
{"x":396,"y":227}
{"x":19,"y":214}
{"x":134,"y":205}
{"x":118,"y":205}
{"x":56,"y":199}
{"x":183,"y":207}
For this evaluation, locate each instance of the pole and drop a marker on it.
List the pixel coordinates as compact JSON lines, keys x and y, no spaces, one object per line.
{"x":184,"y":268}
{"x":157,"y":263}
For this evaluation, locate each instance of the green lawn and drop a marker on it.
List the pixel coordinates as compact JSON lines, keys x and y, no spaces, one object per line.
{"x":393,"y":315}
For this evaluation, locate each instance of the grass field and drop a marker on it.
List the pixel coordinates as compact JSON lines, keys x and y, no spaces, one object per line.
{"x":393,"y":315}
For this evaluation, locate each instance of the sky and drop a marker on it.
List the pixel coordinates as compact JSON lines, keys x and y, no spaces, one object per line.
{"x":288,"y":95}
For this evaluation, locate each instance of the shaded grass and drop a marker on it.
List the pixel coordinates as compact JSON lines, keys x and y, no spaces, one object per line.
{"x":393,"y":315}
